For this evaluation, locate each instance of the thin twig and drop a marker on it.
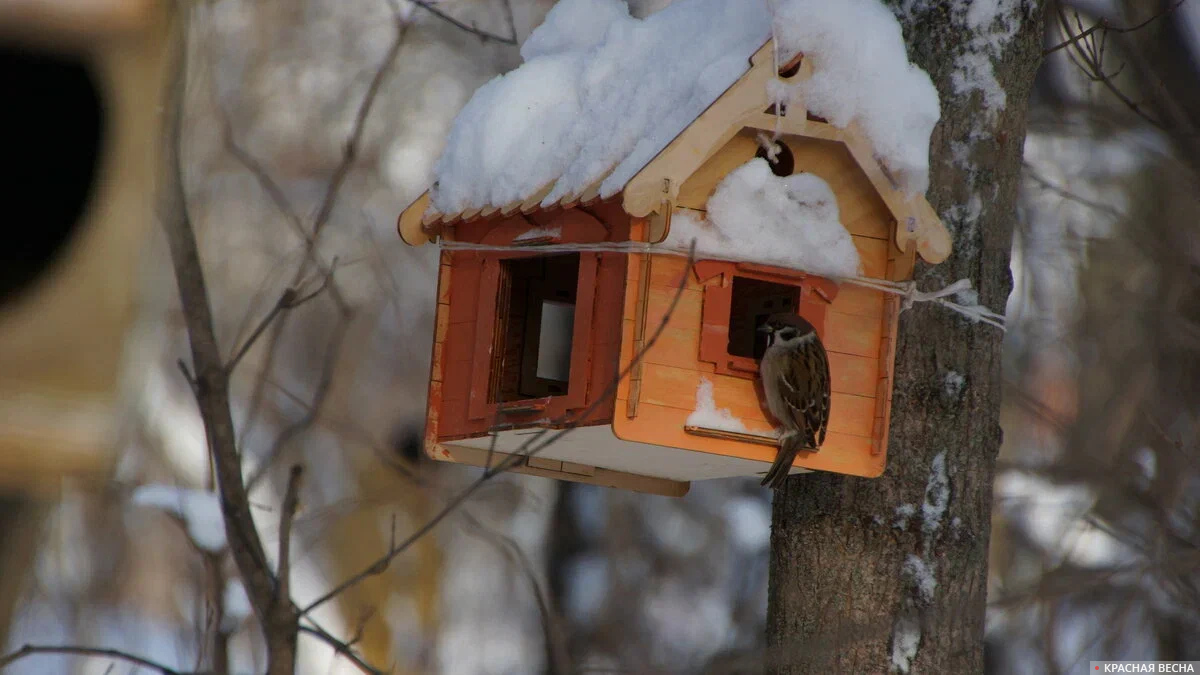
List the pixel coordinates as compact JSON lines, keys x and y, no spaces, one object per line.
{"x":289,"y":299}
{"x":354,"y":142}
{"x":555,"y":645}
{"x":265,"y":181}
{"x":326,"y":210}
{"x":1067,"y":194}
{"x":30,"y":650}
{"x":462,"y":26}
{"x":1105,"y":26}
{"x":526,"y":450}
{"x":344,"y":649}
{"x":291,"y":500}
{"x":1085,"y":58}
{"x":187,"y":374}
{"x":313,"y":411}
{"x":212,"y":381}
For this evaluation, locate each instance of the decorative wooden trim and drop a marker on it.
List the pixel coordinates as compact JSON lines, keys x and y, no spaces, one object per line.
{"x":816,"y":294}
{"x":581,"y":349}
{"x":533,"y":203}
{"x":598,"y":476}
{"x":478,"y":407}
{"x":704,"y":136}
{"x":639,"y":337}
{"x":660,"y":221}
{"x":887,"y":374}
{"x":758,"y":439}
{"x":409,"y":222}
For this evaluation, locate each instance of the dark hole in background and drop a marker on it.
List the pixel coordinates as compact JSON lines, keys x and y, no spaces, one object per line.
{"x":752,"y":303}
{"x":53,"y":131}
{"x":784,"y":163}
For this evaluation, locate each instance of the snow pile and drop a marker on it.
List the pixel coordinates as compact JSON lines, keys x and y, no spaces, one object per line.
{"x":199,"y":510}
{"x":787,"y":221}
{"x":906,"y":639}
{"x":708,"y":416}
{"x":861,"y":74}
{"x":601,"y":91}
{"x":598,"y":89}
{"x":538,"y":233}
{"x":921,"y":574}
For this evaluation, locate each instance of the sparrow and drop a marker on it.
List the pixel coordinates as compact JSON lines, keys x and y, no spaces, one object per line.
{"x":795,"y":377}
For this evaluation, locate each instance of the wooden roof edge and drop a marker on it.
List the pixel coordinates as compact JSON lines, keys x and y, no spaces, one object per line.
{"x":917,"y":223}
{"x":410,"y":224}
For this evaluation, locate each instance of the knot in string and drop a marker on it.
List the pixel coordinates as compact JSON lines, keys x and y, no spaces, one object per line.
{"x":911,"y":294}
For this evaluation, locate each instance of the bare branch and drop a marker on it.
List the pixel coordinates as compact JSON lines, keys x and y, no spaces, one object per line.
{"x":528,"y":448}
{"x":215,"y":582}
{"x":289,"y":299}
{"x":1104,"y":26}
{"x":313,"y":409}
{"x":326,"y":210}
{"x":30,"y":650}
{"x":556,"y":647}
{"x":470,"y":29}
{"x":211,"y":377}
{"x":344,"y":649}
{"x":1087,"y":58}
{"x":291,"y":501}
{"x":1067,"y":194}
{"x":354,"y":142}
{"x":265,"y":181}
{"x":187,"y":374}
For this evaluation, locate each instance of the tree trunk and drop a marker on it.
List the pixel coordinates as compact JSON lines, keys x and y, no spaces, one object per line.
{"x":890,"y":574}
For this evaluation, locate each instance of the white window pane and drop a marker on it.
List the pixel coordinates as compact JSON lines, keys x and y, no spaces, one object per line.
{"x":554,"y":341}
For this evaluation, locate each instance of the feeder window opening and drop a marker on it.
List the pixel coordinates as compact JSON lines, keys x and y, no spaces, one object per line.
{"x":535,"y":326}
{"x":753,"y":302}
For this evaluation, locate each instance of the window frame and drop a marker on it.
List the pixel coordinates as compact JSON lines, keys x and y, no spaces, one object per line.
{"x":816,"y":295}
{"x":575,"y":227}
{"x":581,"y":346}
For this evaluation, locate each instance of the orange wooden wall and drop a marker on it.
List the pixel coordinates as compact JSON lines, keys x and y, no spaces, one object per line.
{"x":456,"y":359}
{"x":859,"y":331}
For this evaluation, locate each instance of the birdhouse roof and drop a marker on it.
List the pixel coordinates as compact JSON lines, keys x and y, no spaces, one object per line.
{"x":608,"y":105}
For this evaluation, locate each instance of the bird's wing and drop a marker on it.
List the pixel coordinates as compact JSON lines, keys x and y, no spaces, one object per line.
{"x":805,"y":389}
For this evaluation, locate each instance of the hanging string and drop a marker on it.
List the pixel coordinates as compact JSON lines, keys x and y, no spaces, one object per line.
{"x":778,"y":91}
{"x":907,"y":290}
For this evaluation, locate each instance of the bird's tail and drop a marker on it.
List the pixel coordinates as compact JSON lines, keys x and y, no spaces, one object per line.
{"x":789,"y":445}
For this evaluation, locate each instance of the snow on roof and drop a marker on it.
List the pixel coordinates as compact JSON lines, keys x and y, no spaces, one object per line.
{"x":598,"y":89}
{"x":861,"y":74}
{"x":601,"y":93}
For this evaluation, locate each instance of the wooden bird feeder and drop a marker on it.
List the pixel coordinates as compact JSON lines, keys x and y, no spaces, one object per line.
{"x":527,"y":339}
{"x":68,"y":296}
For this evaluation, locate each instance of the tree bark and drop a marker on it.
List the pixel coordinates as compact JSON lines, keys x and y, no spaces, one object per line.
{"x":890,"y":574}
